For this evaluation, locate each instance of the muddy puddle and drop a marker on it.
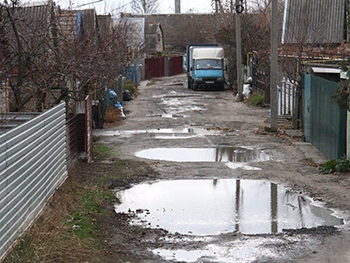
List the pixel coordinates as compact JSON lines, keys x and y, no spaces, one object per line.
{"x":167,"y":133}
{"x":214,"y":154}
{"x":218,"y":206}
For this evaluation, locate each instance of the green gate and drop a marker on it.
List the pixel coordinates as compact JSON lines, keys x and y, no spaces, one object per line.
{"x":324,"y":123}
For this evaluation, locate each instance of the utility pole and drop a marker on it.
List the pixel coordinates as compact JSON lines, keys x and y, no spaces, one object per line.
{"x":239,"y":9}
{"x":274,"y":67}
{"x":177,"y":7}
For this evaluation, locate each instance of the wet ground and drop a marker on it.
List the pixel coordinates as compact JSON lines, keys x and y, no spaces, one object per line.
{"x":225,"y":191}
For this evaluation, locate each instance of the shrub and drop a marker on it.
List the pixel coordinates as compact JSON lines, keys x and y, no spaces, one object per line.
{"x":256,"y":99}
{"x":131,"y":87}
{"x":112,"y":115}
{"x":335,"y":166}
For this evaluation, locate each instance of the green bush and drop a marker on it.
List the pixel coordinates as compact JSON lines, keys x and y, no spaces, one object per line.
{"x":102,"y":151}
{"x":335,"y":166}
{"x":256,"y":99}
{"x":131,"y":87}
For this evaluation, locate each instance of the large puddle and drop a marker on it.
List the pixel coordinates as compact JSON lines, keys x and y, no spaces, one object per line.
{"x":166,"y":133}
{"x":215,"y":154}
{"x":211,"y":207}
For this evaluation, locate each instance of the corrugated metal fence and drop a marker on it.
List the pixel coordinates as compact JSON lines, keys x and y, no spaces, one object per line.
{"x":32,"y":165}
{"x":324,"y":122}
{"x":305,"y":21}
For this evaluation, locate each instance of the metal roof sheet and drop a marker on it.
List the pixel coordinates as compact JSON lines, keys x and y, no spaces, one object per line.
{"x":326,"y":70}
{"x":314,"y":21}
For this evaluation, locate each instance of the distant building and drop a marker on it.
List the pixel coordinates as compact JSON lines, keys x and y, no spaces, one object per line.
{"x":181,"y":29}
{"x":154,"y":38}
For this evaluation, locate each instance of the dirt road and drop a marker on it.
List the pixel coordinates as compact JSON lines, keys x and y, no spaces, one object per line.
{"x":167,"y":115}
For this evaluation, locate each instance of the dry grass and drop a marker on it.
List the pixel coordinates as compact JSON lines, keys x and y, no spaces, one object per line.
{"x":112,"y":115}
{"x":51,"y":238}
{"x":73,"y":225}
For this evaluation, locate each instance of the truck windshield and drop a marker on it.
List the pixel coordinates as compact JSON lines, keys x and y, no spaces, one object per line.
{"x":208,"y":64}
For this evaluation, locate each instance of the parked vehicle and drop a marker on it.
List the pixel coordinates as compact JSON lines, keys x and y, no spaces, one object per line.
{"x":205,"y":66}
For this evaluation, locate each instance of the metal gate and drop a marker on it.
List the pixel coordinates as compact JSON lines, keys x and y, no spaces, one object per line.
{"x":324,"y":123}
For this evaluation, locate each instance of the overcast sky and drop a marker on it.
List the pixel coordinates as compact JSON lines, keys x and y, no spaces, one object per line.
{"x":113,"y":6}
{"x":197,"y":6}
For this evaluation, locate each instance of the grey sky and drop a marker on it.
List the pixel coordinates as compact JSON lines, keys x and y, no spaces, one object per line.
{"x":117,"y":6}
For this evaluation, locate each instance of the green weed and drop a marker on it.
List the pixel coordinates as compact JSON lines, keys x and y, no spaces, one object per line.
{"x":256,"y":99}
{"x":83,"y":220}
{"x":131,"y":87}
{"x":341,"y":165}
{"x":102,"y":151}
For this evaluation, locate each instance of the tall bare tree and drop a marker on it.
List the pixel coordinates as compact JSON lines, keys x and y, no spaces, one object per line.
{"x":145,"y":6}
{"x":44,"y":63}
{"x":25,"y":35}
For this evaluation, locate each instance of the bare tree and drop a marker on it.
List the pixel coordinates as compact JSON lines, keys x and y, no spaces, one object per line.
{"x":145,"y":6}
{"x":263,"y":6}
{"x":44,"y":63}
{"x":255,"y":37}
{"x":25,"y":36}
{"x":86,"y":65}
{"x":199,"y":29}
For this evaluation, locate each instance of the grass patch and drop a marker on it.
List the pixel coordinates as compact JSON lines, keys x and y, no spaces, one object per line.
{"x":256,"y":99}
{"x":52,"y":237}
{"x":102,"y":151}
{"x":72,"y":226}
{"x":83,"y":220}
{"x":341,"y":165}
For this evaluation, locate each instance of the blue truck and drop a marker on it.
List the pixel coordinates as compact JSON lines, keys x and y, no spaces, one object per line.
{"x":205,"y":66}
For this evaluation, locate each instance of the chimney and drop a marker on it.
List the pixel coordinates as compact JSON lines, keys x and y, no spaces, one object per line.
{"x":177,"y":7}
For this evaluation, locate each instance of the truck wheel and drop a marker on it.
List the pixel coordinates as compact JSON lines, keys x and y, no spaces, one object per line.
{"x":195,"y":87}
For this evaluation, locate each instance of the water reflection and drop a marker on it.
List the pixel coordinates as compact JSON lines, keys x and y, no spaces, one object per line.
{"x":215,"y":154}
{"x":205,"y":207}
{"x":162,"y":132}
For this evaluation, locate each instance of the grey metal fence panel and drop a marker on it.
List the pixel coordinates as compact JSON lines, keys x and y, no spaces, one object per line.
{"x":324,"y":122}
{"x":32,"y":166}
